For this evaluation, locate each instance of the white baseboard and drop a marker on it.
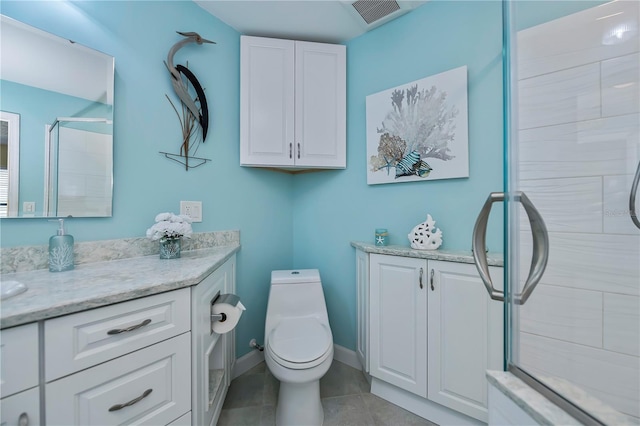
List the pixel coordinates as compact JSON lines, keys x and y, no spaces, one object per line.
{"x":255,"y":357}
{"x":247,"y":362}
{"x":346,"y":356}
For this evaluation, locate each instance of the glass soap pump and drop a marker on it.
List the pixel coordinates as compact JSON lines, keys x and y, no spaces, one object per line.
{"x":61,"y":250}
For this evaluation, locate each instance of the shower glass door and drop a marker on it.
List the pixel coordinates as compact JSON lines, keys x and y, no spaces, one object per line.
{"x":573,"y":147}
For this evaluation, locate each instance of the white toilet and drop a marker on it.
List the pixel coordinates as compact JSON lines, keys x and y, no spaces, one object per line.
{"x":298,"y":344}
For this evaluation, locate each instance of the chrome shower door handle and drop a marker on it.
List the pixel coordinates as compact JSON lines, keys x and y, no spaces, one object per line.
{"x":540,"y":246}
{"x":479,"y":243}
{"x":632,"y":198}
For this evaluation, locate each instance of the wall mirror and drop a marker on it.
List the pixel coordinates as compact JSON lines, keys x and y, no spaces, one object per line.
{"x":56,"y":123}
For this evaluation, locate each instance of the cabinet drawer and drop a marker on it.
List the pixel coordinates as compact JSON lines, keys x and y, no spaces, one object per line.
{"x":18,"y":347}
{"x":82,"y":340}
{"x":24,"y":405}
{"x":149,"y":386}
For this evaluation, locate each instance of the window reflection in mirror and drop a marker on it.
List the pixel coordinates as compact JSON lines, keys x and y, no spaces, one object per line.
{"x":67,"y":88}
{"x":9,"y":163}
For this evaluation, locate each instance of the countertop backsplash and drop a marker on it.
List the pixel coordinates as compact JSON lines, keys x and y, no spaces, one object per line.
{"x":29,"y":258}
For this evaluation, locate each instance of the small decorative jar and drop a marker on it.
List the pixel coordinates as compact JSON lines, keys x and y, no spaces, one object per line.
{"x":382,"y":237}
{"x":170,"y":248}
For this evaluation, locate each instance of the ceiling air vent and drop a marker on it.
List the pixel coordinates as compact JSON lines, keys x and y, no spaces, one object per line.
{"x":373,"y":10}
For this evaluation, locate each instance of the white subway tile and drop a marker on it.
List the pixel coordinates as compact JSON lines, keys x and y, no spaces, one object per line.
{"x":588,"y":148}
{"x":622,"y":323}
{"x":609,"y":376}
{"x":621,"y":85}
{"x":551,"y":46}
{"x":599,"y":262}
{"x":568,"y":204}
{"x":560,"y":97}
{"x":566,"y":314}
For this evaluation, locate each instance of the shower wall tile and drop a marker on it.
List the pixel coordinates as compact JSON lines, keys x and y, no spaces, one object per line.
{"x":621,"y":85}
{"x":566,"y":314}
{"x":609,"y":376}
{"x":597,"y":262}
{"x":622,"y":324}
{"x":588,"y":148}
{"x":567,"y":205}
{"x":560,"y":97}
{"x":617,"y":219}
{"x":550,"y":47}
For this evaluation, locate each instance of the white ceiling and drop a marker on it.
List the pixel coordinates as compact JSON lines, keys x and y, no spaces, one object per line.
{"x":329,"y":21}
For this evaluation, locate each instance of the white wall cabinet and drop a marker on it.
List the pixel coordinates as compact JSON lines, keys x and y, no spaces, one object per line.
{"x":292,"y":104}
{"x":433,"y":332}
{"x":464,"y":336}
{"x":398,"y":322}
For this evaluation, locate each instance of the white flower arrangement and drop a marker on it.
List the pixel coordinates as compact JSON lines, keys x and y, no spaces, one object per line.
{"x":169,"y":225}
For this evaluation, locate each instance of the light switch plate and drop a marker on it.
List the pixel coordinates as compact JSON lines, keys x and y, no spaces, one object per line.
{"x":193,"y":209}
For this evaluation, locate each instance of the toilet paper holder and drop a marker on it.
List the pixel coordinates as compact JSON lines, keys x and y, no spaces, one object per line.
{"x":228,"y":298}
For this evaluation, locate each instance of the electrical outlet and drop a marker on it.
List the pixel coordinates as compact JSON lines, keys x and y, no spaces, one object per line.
{"x":29,"y":207}
{"x":193,"y":209}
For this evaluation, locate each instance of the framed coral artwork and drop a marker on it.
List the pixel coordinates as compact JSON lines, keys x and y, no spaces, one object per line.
{"x":419,"y":131}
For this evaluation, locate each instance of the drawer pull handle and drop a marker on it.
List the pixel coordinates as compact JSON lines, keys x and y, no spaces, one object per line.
{"x":298,"y":150}
{"x":128,"y":329}
{"x":133,"y":401}
{"x":431,"y":280}
{"x":420,"y":280}
{"x":23,"y":420}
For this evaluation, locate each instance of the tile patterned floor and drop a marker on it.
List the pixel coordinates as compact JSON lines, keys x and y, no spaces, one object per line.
{"x":252,"y":399}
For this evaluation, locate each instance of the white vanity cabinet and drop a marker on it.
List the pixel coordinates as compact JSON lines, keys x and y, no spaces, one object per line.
{"x":398,"y":322}
{"x":292,"y":104}
{"x":362,"y":308}
{"x":213,"y":355}
{"x":433,"y":333}
{"x":19,"y":378}
{"x":123,"y":363}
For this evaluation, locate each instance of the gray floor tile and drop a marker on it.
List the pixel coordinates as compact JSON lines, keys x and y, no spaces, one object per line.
{"x":340,"y":380}
{"x":246,"y":391}
{"x":252,"y":400}
{"x":347,"y":410}
{"x":249,"y":416}
{"x":385,"y":413}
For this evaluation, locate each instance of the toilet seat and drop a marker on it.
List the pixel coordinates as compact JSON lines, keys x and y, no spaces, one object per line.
{"x":299,"y":343}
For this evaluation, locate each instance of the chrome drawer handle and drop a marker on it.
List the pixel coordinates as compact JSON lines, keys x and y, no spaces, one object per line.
{"x":431,"y":280}
{"x":298,"y":150}
{"x":133,"y":401}
{"x":128,"y":329}
{"x":421,"y":272}
{"x":290,"y":150}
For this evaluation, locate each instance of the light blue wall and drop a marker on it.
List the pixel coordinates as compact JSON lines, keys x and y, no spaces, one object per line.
{"x":333,"y":208}
{"x":258,"y":202}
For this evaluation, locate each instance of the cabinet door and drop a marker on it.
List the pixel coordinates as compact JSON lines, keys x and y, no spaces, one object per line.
{"x":20,"y":408}
{"x":266,"y":101}
{"x":398,"y":333}
{"x":320,"y":92}
{"x":465,"y":336}
{"x":18,"y":347}
{"x":362,"y":302}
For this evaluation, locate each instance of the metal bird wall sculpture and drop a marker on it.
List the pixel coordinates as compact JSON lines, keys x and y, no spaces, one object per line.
{"x":193,"y":110}
{"x":180,"y":87}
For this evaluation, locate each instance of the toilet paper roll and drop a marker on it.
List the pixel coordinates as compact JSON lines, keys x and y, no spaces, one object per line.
{"x":231,"y":315}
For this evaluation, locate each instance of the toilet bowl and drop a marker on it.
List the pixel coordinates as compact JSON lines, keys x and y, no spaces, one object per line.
{"x":298,"y":344}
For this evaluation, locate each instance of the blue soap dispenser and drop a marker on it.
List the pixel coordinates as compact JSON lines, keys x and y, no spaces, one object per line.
{"x":61,"y":250}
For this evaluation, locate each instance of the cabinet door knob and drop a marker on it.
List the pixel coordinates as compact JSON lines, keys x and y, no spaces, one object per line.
{"x":431,"y":280}
{"x":133,"y":401}
{"x":421,"y":273}
{"x":23,"y":420}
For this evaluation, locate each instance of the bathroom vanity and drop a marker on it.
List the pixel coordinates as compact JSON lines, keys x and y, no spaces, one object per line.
{"x":427,"y":330}
{"x":118,"y":342}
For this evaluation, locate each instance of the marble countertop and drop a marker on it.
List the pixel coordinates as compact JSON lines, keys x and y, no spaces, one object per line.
{"x":460,"y":256}
{"x":545,"y":412}
{"x":92,"y":285}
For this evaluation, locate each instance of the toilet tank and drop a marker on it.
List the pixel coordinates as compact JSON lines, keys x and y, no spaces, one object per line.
{"x":295,"y":293}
